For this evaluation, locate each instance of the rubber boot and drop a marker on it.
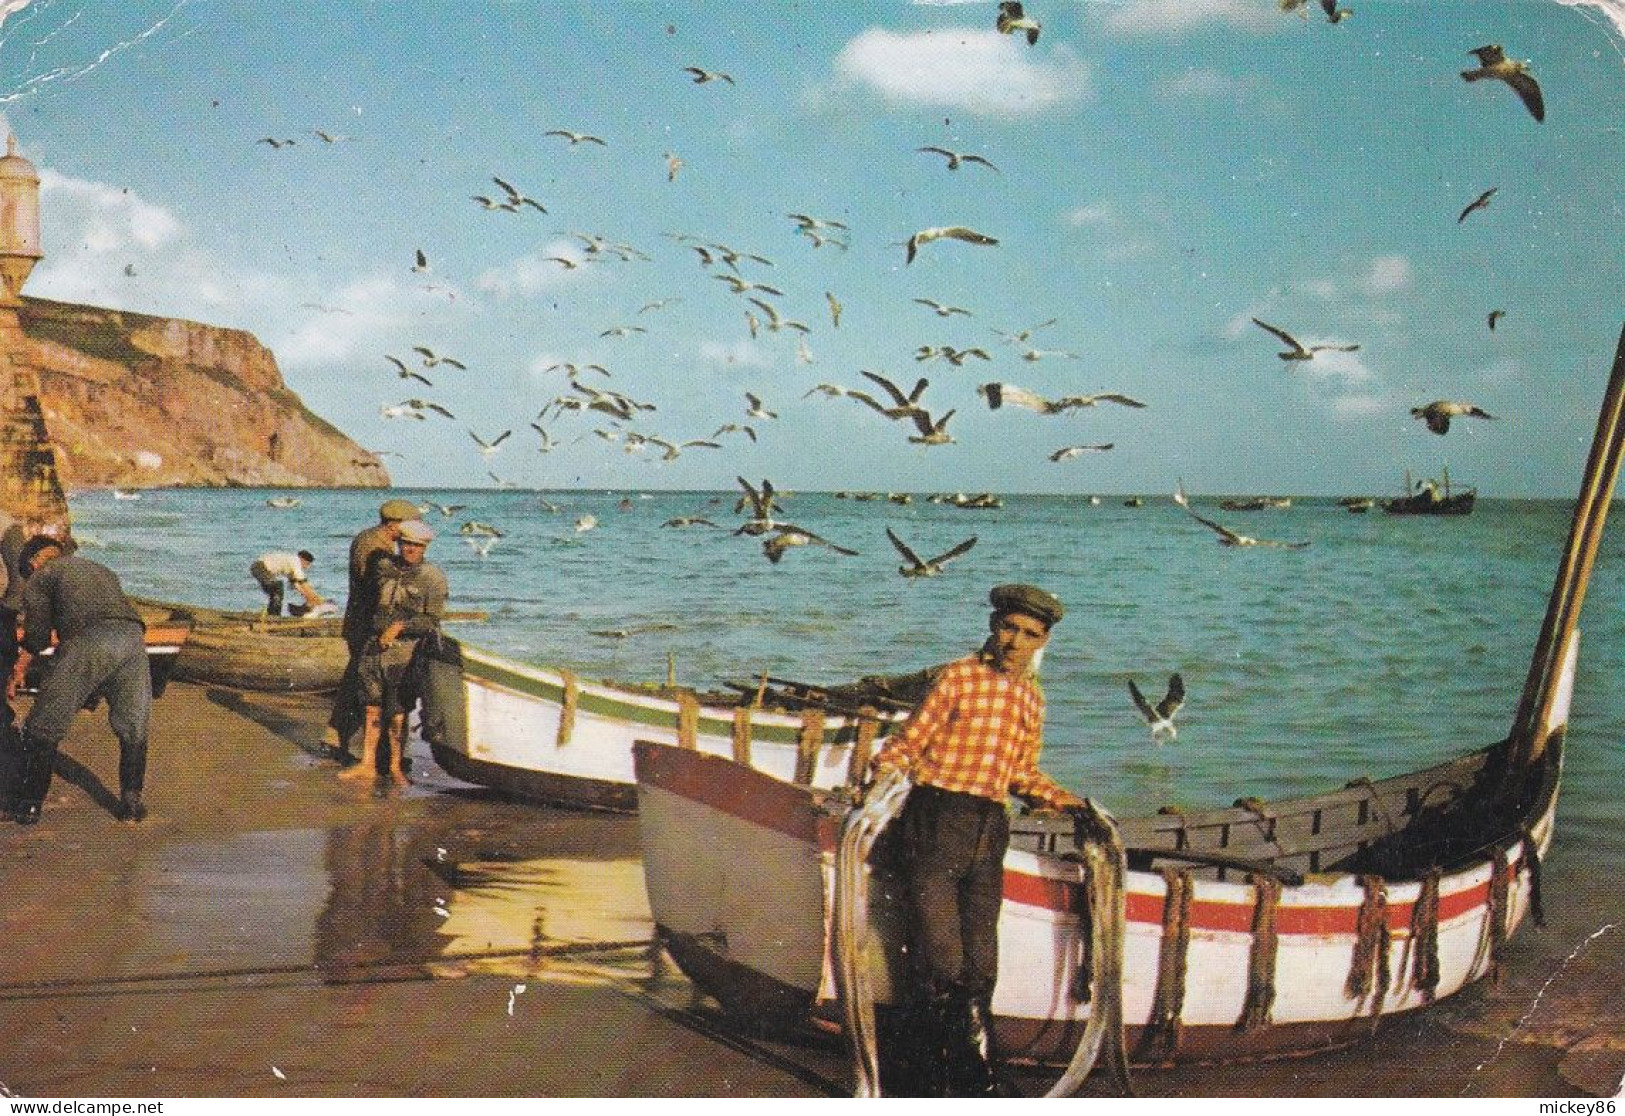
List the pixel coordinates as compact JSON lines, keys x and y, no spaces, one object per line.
{"x":397,"y":749}
{"x":371,"y":730}
{"x":971,"y":1057}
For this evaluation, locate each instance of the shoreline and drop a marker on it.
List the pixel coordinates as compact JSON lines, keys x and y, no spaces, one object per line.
{"x":271,"y":931}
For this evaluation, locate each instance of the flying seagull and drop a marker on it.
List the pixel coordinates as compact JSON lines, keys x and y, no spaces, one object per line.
{"x":1334,"y":14}
{"x":1161,"y":715}
{"x":488,"y":448}
{"x":406,"y":373}
{"x":788,"y":534}
{"x":999,"y":394}
{"x":1066,"y":453}
{"x":432,"y":359}
{"x":953,"y":356}
{"x":1298,"y":351}
{"x":906,"y":406}
{"x":576,"y":137}
{"x":701,"y":77}
{"x":1438,"y":414}
{"x":755,"y":410}
{"x":1477,"y":203}
{"x":955,"y":158}
{"x":1493,"y":63}
{"x":1227,"y":537}
{"x":953,"y":232}
{"x":760,"y":501}
{"x":421,"y":263}
{"x":1012,"y":18}
{"x":929,"y":567}
{"x":1022,"y":336}
{"x":942,"y":310}
{"x":276,"y":144}
{"x":515,"y":198}
{"x":1495,"y":316}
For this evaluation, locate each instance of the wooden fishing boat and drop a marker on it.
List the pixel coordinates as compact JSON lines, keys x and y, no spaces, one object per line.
{"x":543,"y":734}
{"x":245,"y":650}
{"x":1428,"y":497}
{"x":252,"y":651}
{"x":1256,"y":503}
{"x":1255,"y":930}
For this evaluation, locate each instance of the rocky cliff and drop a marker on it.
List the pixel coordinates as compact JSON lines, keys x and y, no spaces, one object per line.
{"x":139,"y":401}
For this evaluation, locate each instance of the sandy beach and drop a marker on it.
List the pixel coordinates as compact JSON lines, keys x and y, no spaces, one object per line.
{"x":272,"y":931}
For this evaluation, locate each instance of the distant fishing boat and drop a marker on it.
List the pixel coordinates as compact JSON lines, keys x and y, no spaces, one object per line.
{"x":1427,"y":497}
{"x":1256,"y":930}
{"x":125,"y":494}
{"x":283,"y":501}
{"x":1356,"y":505}
{"x":1256,"y":503}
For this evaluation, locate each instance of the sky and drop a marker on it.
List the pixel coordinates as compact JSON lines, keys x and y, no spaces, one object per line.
{"x":1163,"y":171}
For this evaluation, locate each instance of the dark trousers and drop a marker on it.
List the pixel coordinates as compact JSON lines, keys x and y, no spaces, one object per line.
{"x":954,"y":844}
{"x":108,"y":661}
{"x":348,"y":714}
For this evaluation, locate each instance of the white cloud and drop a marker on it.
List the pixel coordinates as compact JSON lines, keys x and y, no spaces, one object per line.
{"x":1386,"y":275}
{"x":969,"y":70}
{"x":1199,"y":83}
{"x":532,"y":275}
{"x":1168,"y":17}
{"x":357,"y":321}
{"x":738,"y":354}
{"x":1100,"y":213}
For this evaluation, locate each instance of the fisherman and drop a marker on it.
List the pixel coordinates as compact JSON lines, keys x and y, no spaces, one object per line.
{"x":409,"y":601}
{"x":101,"y":652}
{"x":970,"y":744}
{"x":275,"y":570}
{"x":373,"y":545}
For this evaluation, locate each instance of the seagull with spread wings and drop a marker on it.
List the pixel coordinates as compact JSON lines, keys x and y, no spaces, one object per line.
{"x":942,"y":310}
{"x":488,"y":448}
{"x":1438,"y":414}
{"x":1227,"y":537}
{"x":432,"y":359}
{"x":1493,"y":63}
{"x":576,"y":138}
{"x":1161,"y":715}
{"x":927,"y":567}
{"x":1012,"y":18}
{"x":951,"y":232}
{"x":762,"y":502}
{"x":406,"y":373}
{"x":1297,"y":350}
{"x":702,"y":77}
{"x":955,"y":357}
{"x":956,"y":158}
{"x":1477,"y":203}
{"x":787,"y":535}
{"x":1000,"y":394}
{"x":1066,"y":453}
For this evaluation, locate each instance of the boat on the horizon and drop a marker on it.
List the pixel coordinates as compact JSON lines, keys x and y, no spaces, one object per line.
{"x":1256,"y":503}
{"x":1259,"y":929}
{"x":1429,"y":497}
{"x":1356,"y":505}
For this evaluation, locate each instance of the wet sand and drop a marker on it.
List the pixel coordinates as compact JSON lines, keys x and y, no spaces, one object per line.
{"x":272,"y":931}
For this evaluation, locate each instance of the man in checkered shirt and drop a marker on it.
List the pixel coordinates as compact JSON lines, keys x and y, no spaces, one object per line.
{"x":972,"y":743}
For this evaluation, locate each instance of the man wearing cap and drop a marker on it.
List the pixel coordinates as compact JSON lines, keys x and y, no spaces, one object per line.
{"x":409,"y":600}
{"x":100,"y":652}
{"x":372,"y":546}
{"x":968,"y":746}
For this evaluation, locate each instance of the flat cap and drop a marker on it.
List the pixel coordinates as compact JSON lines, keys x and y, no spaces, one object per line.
{"x":416,"y":531}
{"x":399,"y":510}
{"x":1027,"y":599}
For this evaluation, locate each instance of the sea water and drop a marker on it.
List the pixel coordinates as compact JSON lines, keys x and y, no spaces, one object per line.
{"x":1390,"y":643}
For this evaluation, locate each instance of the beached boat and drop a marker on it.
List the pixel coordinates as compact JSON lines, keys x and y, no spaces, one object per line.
{"x":545,"y":735}
{"x":1428,"y":497}
{"x":1255,"y":930}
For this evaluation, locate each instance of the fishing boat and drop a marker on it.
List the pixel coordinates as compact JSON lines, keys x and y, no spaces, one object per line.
{"x":1429,"y":497}
{"x":543,"y":734}
{"x":1256,"y":503}
{"x":1356,"y":505}
{"x":1261,"y":929}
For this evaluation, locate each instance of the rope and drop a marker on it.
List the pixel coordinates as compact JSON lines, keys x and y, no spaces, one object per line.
{"x":688,"y":720}
{"x":1425,"y":934}
{"x":741,"y":734}
{"x":567,"y":714}
{"x":1368,"y":968}
{"x":809,"y":744}
{"x":1105,"y":882}
{"x":1163,"y":1028}
{"x":860,"y":828}
{"x":862,"y":749}
{"x":1537,"y":910}
{"x":1494,"y":935}
{"x":1255,"y":1010}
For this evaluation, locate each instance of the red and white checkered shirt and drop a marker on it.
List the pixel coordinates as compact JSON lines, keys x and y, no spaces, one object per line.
{"x":978,"y":731}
